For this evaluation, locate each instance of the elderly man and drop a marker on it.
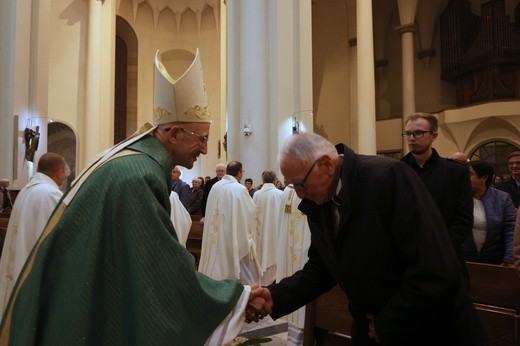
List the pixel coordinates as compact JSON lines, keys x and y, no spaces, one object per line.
{"x":378,"y":234}
{"x":182,"y":189}
{"x":512,"y":184}
{"x":108,"y":268}
{"x":32,"y":209}
{"x":460,"y":157}
{"x":228,"y":248}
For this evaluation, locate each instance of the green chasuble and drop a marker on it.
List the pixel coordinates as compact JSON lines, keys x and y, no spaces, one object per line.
{"x":108,"y":269}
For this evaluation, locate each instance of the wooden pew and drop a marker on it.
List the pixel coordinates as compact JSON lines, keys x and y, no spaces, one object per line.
{"x":327,"y":320}
{"x":495,"y":292}
{"x":194,"y":241}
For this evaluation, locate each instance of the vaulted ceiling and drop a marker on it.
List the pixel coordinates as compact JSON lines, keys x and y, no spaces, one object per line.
{"x":177,"y":7}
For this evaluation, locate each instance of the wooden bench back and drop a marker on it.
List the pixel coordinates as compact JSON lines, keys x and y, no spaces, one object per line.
{"x":495,"y":291}
{"x":494,"y":285}
{"x":194,"y":241}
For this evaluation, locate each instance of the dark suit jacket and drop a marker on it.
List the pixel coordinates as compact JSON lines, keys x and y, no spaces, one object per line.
{"x":392,"y":256}
{"x":184,"y":192}
{"x":207,"y":188}
{"x":196,"y":202}
{"x":509,"y":186}
{"x":449,"y":184}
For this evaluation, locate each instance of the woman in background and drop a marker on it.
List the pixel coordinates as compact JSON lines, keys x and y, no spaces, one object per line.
{"x":494,"y":219}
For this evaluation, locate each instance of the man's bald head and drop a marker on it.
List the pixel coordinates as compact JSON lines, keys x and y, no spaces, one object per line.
{"x":53,"y":166}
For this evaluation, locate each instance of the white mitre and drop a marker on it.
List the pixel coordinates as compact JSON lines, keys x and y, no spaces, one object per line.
{"x":184,"y":99}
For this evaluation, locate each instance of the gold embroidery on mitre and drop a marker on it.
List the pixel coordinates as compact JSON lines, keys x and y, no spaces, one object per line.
{"x":160,"y":113}
{"x":197,"y":111}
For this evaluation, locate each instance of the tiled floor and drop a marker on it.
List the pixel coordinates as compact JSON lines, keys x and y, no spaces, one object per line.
{"x":267,"y":328}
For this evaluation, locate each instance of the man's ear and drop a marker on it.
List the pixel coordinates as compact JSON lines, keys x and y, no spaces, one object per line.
{"x":173,"y":134}
{"x":327,"y":161}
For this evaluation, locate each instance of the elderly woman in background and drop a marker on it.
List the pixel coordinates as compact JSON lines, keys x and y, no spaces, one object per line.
{"x":494,"y":219}
{"x":197,"y":190}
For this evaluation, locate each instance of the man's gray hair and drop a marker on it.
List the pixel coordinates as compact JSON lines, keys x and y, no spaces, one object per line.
{"x":306,"y":148}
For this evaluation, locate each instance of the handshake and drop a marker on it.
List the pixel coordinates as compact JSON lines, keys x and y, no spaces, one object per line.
{"x":260,"y":304}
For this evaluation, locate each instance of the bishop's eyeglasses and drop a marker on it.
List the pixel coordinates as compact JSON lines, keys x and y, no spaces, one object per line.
{"x":203,"y":139}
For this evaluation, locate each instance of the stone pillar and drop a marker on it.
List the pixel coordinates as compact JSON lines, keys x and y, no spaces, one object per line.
{"x":407,"y":12}
{"x":352,"y":67}
{"x":26,"y":82}
{"x":97,"y":123}
{"x":247,"y":88}
{"x":269,"y":79}
{"x":366,"y":80}
{"x":7,"y":62}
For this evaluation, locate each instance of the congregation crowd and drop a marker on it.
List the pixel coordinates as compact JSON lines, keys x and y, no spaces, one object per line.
{"x":105,"y":262}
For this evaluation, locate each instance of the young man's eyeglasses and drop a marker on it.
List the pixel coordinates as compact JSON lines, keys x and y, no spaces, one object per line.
{"x":301,"y":185}
{"x":203,"y":139}
{"x":415,"y":134}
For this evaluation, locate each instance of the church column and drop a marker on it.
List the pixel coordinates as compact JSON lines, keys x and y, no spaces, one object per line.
{"x":352,"y":66}
{"x":26,"y":82}
{"x":247,"y":88}
{"x":366,"y":79}
{"x":407,"y":12}
{"x":7,"y":64}
{"x":97,"y":123}
{"x":269,"y":79}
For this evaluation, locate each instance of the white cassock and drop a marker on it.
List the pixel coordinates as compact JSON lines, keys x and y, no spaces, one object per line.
{"x":180,"y":217}
{"x":293,"y":245}
{"x":228,"y":249}
{"x":269,"y":209}
{"x":233,"y":324}
{"x":32,"y":208}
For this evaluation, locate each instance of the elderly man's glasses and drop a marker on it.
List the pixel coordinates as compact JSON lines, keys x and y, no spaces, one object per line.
{"x":301,"y":185}
{"x":415,"y":134}
{"x":203,"y":139}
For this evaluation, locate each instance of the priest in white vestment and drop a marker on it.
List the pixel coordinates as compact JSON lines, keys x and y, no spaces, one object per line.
{"x":32,"y":208}
{"x":228,"y":247}
{"x":293,"y":245}
{"x":180,"y":217}
{"x":269,"y":209}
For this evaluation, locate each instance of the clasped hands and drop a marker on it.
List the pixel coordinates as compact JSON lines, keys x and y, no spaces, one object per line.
{"x":260,"y":304}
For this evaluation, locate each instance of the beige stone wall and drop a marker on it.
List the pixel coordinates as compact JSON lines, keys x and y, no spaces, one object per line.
{"x":331,"y":94}
{"x":461,"y":129}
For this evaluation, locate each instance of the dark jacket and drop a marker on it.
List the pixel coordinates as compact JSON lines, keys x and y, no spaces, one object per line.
{"x":207,"y":189}
{"x":500,"y":219}
{"x":449,"y":184}
{"x":392,"y":256}
{"x":509,"y":185}
{"x":196,"y":202}
{"x":184,"y":192}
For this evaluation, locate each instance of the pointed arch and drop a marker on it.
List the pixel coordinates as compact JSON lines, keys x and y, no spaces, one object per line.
{"x":125,"y":107}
